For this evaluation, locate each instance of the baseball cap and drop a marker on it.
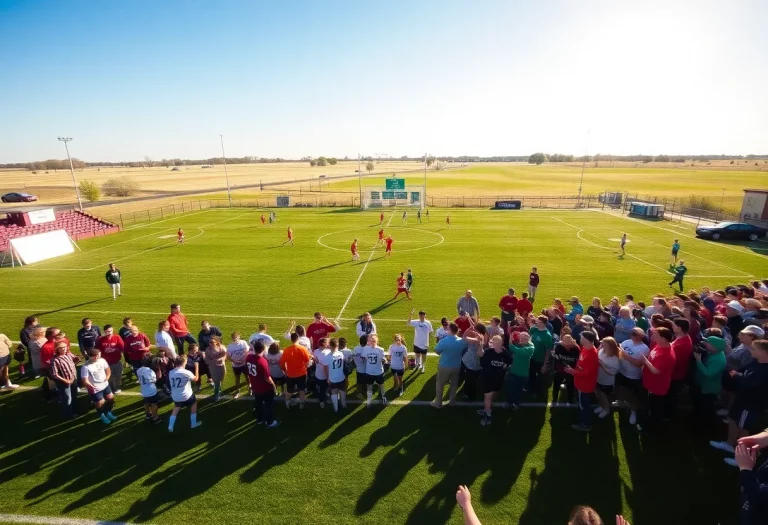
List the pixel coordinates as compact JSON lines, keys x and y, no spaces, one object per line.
{"x":718,"y":343}
{"x":587,"y":319}
{"x":736,"y":306}
{"x":754,"y":330}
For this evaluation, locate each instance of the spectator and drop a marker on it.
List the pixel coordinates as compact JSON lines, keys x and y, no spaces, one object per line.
{"x":495,"y":363}
{"x":751,"y":309}
{"x":64,"y":374}
{"x":136,"y":347}
{"x":5,"y":359}
{"x":543,"y":344}
{"x":624,"y":324}
{"x":111,"y":347}
{"x":320,"y":328}
{"x":585,"y":380}
{"x":125,"y":330}
{"x":657,"y":375}
{"x":443,"y":331}
{"x":494,"y":328}
{"x":558,"y":305}
{"x":628,"y":380}
{"x":565,"y":354}
{"x":742,"y":354}
{"x":629,"y":302}
{"x":215,"y":359}
{"x":682,"y":348}
{"x":691,"y":314}
{"x":518,"y":373}
{"x":753,"y":482}
{"x":365,"y":326}
{"x":555,"y":320}
{"x":87,"y":337}
{"x":421,"y":330}
{"x":614,"y":307}
{"x":264,"y":337}
{"x":508,"y":306}
{"x":576,"y":310}
{"x":467,"y":303}
{"x":533,"y":283}
{"x":237,"y":351}
{"x":464,"y":321}
{"x":596,"y":308}
{"x":34,"y":345}
{"x":708,"y":381}
{"x":733,"y":312}
{"x":263,"y":387}
{"x":207,"y":332}
{"x":524,"y":306}
{"x":581,"y":515}
{"x":750,"y":399}
{"x":273,"y":356}
{"x":640,"y":319}
{"x":450,"y":350}
{"x":585,"y":324}
{"x":608,"y":359}
{"x":25,"y":336}
{"x":294,"y":363}
{"x":721,"y":322}
{"x":476,"y":338}
{"x":164,"y":340}
{"x":178,"y":327}
{"x":603,"y":325}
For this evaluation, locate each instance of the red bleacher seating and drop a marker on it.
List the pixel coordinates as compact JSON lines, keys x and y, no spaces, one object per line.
{"x":77,"y":224}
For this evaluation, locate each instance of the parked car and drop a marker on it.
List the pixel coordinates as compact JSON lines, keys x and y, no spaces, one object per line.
{"x":731,"y":230}
{"x":19,"y":197}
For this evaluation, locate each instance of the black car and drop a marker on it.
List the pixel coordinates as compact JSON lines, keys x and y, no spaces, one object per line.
{"x":731,"y":230}
{"x":18,"y":197}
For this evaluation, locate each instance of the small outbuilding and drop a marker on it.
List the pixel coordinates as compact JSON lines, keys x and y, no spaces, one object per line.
{"x":646,"y":210}
{"x":754,"y":208}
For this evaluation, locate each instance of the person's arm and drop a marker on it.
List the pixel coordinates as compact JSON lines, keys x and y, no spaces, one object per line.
{"x":650,"y":367}
{"x":84,"y":377}
{"x":477,"y":307}
{"x":287,"y":334}
{"x":410,"y":317}
{"x":458,"y":306}
{"x":109,"y":372}
{"x":197,"y":373}
{"x":439,"y":346}
{"x":710,"y":369}
{"x":464,"y":499}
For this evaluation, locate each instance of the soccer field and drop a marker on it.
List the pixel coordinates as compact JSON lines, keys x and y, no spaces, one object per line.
{"x":399,"y":463}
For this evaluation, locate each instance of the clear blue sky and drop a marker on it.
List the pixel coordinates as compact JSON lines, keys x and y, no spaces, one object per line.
{"x":288,"y":78}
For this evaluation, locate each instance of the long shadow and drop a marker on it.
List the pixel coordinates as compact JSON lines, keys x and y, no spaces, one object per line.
{"x":383,"y":306}
{"x":63,"y":308}
{"x":324,"y":267}
{"x":345,"y":210}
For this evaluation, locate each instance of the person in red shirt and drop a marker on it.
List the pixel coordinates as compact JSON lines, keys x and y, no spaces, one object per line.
{"x":508,"y":305}
{"x":381,"y":219}
{"x":524,"y":306}
{"x":180,"y":236}
{"x":136,"y":347}
{"x":657,"y":374}
{"x":178,"y":328}
{"x":389,"y":246}
{"x":682,"y":347}
{"x":585,"y":380}
{"x":353,"y":248}
{"x":381,"y":238}
{"x":111,"y":347}
{"x":262,"y":385}
{"x":263,"y":219}
{"x":294,"y":362}
{"x":320,"y":328}
{"x":533,"y":282}
{"x":464,"y":321}
{"x":402,"y":287}
{"x":53,"y":336}
{"x":290,"y":237}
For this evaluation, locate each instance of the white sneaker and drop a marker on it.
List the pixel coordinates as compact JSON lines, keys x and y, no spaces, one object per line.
{"x":118,"y":391}
{"x":721,"y":445}
{"x":722,"y":412}
{"x":633,"y":418}
{"x":731,"y":462}
{"x":603,"y":414}
{"x":598,"y":410}
{"x":322,"y":405}
{"x":197,"y":424}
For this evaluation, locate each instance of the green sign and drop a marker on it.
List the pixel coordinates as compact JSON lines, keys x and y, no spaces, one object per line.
{"x":395,"y":184}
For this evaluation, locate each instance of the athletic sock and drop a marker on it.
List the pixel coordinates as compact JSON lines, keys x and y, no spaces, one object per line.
{"x":370,"y":395}
{"x":171,"y":423}
{"x":193,"y":419}
{"x":343,"y":398}
{"x":335,"y":401}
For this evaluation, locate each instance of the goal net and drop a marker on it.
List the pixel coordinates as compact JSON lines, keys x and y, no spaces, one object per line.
{"x":380,"y":197}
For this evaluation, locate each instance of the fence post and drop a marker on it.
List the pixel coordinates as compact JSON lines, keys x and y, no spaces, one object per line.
{"x":121,"y":221}
{"x":161,"y":213}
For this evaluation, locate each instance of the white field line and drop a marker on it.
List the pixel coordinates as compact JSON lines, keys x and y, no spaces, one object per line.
{"x":354,"y":287}
{"x":719,"y":245}
{"x":53,"y":520}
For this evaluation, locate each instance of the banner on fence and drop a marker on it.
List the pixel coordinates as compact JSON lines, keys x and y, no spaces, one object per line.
{"x":508,"y":205}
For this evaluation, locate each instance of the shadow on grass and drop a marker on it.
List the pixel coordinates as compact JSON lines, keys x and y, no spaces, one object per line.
{"x":78,"y":305}
{"x":327,"y":266}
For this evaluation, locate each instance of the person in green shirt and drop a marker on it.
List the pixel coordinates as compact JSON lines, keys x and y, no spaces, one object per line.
{"x":543,"y":344}
{"x":408,"y":280}
{"x":640,"y":320}
{"x":517,"y":374}
{"x":679,"y":270}
{"x":709,"y":371}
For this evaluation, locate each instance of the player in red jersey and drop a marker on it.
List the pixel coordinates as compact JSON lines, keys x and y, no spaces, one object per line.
{"x":290,"y":237}
{"x":180,"y":235}
{"x":381,"y":238}
{"x":401,"y":287}
{"x":448,"y":221}
{"x":389,"y":246}
{"x":263,"y":220}
{"x":381,"y":218}
{"x":355,"y":255}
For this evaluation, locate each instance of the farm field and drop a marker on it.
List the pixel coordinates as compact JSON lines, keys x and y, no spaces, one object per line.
{"x":399,"y":463}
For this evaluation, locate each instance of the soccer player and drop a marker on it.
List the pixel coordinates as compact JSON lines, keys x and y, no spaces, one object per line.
{"x":381,"y":218}
{"x":355,"y":255}
{"x":294,"y":363}
{"x":448,"y":221}
{"x":337,"y":378}
{"x":680,"y":270}
{"x":398,"y":357}
{"x":533,"y":283}
{"x":181,"y":381}
{"x":95,"y":375}
{"x":113,"y":280}
{"x":422,"y":329}
{"x":623,"y":243}
{"x":263,"y":220}
{"x":111,"y":347}
{"x":405,"y":217}
{"x":408,"y":280}
{"x":374,"y":367}
{"x":320,"y":328}
{"x":196,"y":358}
{"x":237,"y":351}
{"x":675,"y":249}
{"x":147,"y":379}
{"x":319,"y":356}
{"x":273,"y":356}
{"x":494,"y":364}
{"x":401,"y":287}
{"x":381,"y":238}
{"x":271,"y":218}
{"x":263,"y":388}
{"x":262,"y":336}
{"x":360,"y":365}
{"x":389,"y":246}
{"x":290,"y":237}
{"x":180,"y":236}
{"x":427,"y":214}
{"x":418,"y":216}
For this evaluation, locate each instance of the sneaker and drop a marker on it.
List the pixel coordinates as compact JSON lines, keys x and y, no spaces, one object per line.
{"x":236,"y":396}
{"x":400,"y":394}
{"x":485,"y":422}
{"x":111,"y":416}
{"x":170,"y":429}
{"x":598,"y":410}
{"x":259,"y":421}
{"x":105,"y":419}
{"x":433,"y":404}
{"x":273,"y":424}
{"x":480,"y":411}
{"x":506,"y":405}
{"x":11,"y":386}
{"x":118,"y":391}
{"x":197,"y":424}
{"x":79,"y":390}
{"x":633,"y":418}
{"x":722,"y":412}
{"x":721,"y":445}
{"x":322,"y":404}
{"x":580,"y":428}
{"x":147,"y":417}
{"x":603,"y":414}
{"x":384,"y":401}
{"x":731,"y":462}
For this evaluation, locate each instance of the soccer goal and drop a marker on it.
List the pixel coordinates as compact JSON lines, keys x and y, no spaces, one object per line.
{"x":380,"y":197}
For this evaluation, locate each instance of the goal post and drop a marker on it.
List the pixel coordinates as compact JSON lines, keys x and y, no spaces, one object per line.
{"x":381,"y":197}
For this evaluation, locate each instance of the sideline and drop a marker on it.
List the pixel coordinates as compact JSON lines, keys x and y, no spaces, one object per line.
{"x":52,"y":520}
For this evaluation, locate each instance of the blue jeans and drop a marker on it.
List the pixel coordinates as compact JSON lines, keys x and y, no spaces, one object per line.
{"x":67,"y":399}
{"x":514,"y":388}
{"x":185,"y":338}
{"x":585,"y":408}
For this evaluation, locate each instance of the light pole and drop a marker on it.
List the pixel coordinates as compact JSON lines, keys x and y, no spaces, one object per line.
{"x":583,"y":164}
{"x":424,"y":197}
{"x":360,"y":181}
{"x":72,"y":170}
{"x":226,"y":175}
{"x":722,"y":197}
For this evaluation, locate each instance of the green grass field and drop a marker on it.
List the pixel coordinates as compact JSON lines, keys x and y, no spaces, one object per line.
{"x":399,"y":463}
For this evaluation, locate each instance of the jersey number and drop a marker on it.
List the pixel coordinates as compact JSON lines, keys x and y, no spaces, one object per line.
{"x":144,"y":380}
{"x":373,"y":359}
{"x":337,"y":363}
{"x":252,"y":370}
{"x":178,"y":382}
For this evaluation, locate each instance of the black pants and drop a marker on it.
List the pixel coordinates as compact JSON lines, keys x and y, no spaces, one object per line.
{"x":703,"y":416}
{"x":670,"y":400}
{"x":321,"y":386}
{"x":567,"y":379}
{"x":534,"y":377}
{"x":184,"y":338}
{"x":470,"y":381}
{"x":678,"y":279}
{"x":655,"y":411}
{"x":262,"y":404}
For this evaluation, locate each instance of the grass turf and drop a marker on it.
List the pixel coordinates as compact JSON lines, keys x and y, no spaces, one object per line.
{"x":397,"y":463}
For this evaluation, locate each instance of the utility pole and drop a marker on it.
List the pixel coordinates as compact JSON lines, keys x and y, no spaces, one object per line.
{"x":72,"y":170}
{"x":360,"y":180}
{"x":583,"y":164}
{"x":424,"y":197}
{"x":226,"y":175}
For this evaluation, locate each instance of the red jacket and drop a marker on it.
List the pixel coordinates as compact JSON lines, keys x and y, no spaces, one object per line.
{"x":682,"y":348}
{"x":136,"y":346}
{"x":663,"y":359}
{"x":178,"y":324}
{"x":585,"y":372}
{"x":111,"y":347}
{"x":524,"y":306}
{"x":508,"y":304}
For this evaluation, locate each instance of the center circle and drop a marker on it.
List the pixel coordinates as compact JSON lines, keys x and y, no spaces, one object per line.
{"x":405,"y":239}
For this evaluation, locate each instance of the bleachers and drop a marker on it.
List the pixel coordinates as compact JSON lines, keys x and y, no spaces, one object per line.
{"x":78,"y":225}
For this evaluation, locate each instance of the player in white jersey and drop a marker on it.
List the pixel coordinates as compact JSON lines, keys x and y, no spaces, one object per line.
{"x":337,"y":378}
{"x":360,"y":365}
{"x":374,"y":367}
{"x":273,"y":356}
{"x":147,"y":379}
{"x":237,"y":351}
{"x":262,"y":336}
{"x":181,"y":381}
{"x":398,"y":357}
{"x":422,"y":328}
{"x":321,"y":369}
